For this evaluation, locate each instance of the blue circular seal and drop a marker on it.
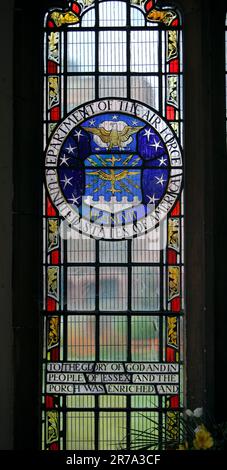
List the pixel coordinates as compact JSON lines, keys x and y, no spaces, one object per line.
{"x":114,"y":168}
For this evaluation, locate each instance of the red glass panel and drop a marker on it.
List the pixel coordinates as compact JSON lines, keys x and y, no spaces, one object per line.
{"x":50,"y":209}
{"x":176,"y":210}
{"x":51,"y":305}
{"x":170,"y":113}
{"x":175,"y":22}
{"x":175,"y":304}
{"x":75,"y":8}
{"x":174,"y":66}
{"x":170,"y":354}
{"x":172,"y":256}
{"x":55,"y":257}
{"x":52,"y":67}
{"x":55,"y":354}
{"x":54,"y":446}
{"x":49,"y":401}
{"x":149,"y":5}
{"x":55,"y":113}
{"x":174,"y":401}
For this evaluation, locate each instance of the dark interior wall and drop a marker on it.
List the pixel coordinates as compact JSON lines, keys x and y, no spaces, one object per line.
{"x":27,"y":222}
{"x":217,"y":55}
{"x":206,"y":171}
{"x":205,"y":205}
{"x":6,"y":195}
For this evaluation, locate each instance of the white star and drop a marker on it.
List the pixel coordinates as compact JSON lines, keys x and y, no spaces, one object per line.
{"x":115,"y":116}
{"x":160,"y":180}
{"x":70,"y":149}
{"x":148,"y":133}
{"x":74,"y":199}
{"x":78,"y":134}
{"x":64,"y":159}
{"x":67,"y":181}
{"x":97,"y":148}
{"x":92,"y":122}
{"x":134,"y":122}
{"x":152,"y":199}
{"x":156,"y":144}
{"x":162,"y":161}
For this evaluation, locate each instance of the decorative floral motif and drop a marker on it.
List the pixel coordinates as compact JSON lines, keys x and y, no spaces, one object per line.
{"x":52,"y":426}
{"x":59,"y":18}
{"x":53,"y":332}
{"x":53,"y":91}
{"x":174,"y":234}
{"x":174,"y":282}
{"x":52,"y":234}
{"x":53,"y":282}
{"x":172,"y":45}
{"x":53,"y":47}
{"x":172,"y":336}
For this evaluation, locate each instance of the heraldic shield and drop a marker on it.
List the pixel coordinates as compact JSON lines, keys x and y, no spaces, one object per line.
{"x":113,"y":172}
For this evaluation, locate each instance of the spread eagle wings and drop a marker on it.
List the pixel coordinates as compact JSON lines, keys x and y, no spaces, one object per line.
{"x":127,"y":131}
{"x":115,"y":177}
{"x":104,"y":134}
{"x":101,"y":132}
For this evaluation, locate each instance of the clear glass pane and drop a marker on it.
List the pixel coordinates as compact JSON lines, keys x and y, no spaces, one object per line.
{"x":79,"y":89}
{"x":146,"y":425}
{"x":81,"y":51}
{"x":145,"y":89}
{"x":113,"y":252}
{"x":113,"y":338}
{"x":112,"y":86}
{"x":112,"y":14}
{"x":81,"y":251}
{"x":145,"y":288}
{"x":137,"y":17}
{"x":88,"y":20}
{"x":81,"y":288}
{"x":145,"y":338}
{"x":80,"y":430}
{"x":80,"y":401}
{"x":112,"y":401}
{"x":112,"y":430}
{"x":112,"y":51}
{"x":81,"y":338}
{"x":144,"y":401}
{"x":146,"y":249}
{"x":113,"y":288}
{"x":144,"y":59}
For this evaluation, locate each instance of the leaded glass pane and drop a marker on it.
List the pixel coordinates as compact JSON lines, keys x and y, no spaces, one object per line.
{"x":81,"y":288}
{"x":113,"y":288}
{"x":112,"y":51}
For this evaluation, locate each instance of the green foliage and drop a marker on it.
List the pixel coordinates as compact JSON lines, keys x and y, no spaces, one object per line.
{"x":196,"y":430}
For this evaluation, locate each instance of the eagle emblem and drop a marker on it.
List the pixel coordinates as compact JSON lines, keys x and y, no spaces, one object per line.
{"x":114,"y":137}
{"x":113,"y":177}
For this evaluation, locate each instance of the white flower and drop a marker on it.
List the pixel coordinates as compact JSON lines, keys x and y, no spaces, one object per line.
{"x":198,"y":412}
{"x":189,"y":413}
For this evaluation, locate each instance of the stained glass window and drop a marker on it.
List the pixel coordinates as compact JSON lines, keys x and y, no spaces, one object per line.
{"x":113,"y":275}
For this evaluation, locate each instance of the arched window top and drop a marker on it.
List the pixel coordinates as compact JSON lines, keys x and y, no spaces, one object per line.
{"x":142,"y":13}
